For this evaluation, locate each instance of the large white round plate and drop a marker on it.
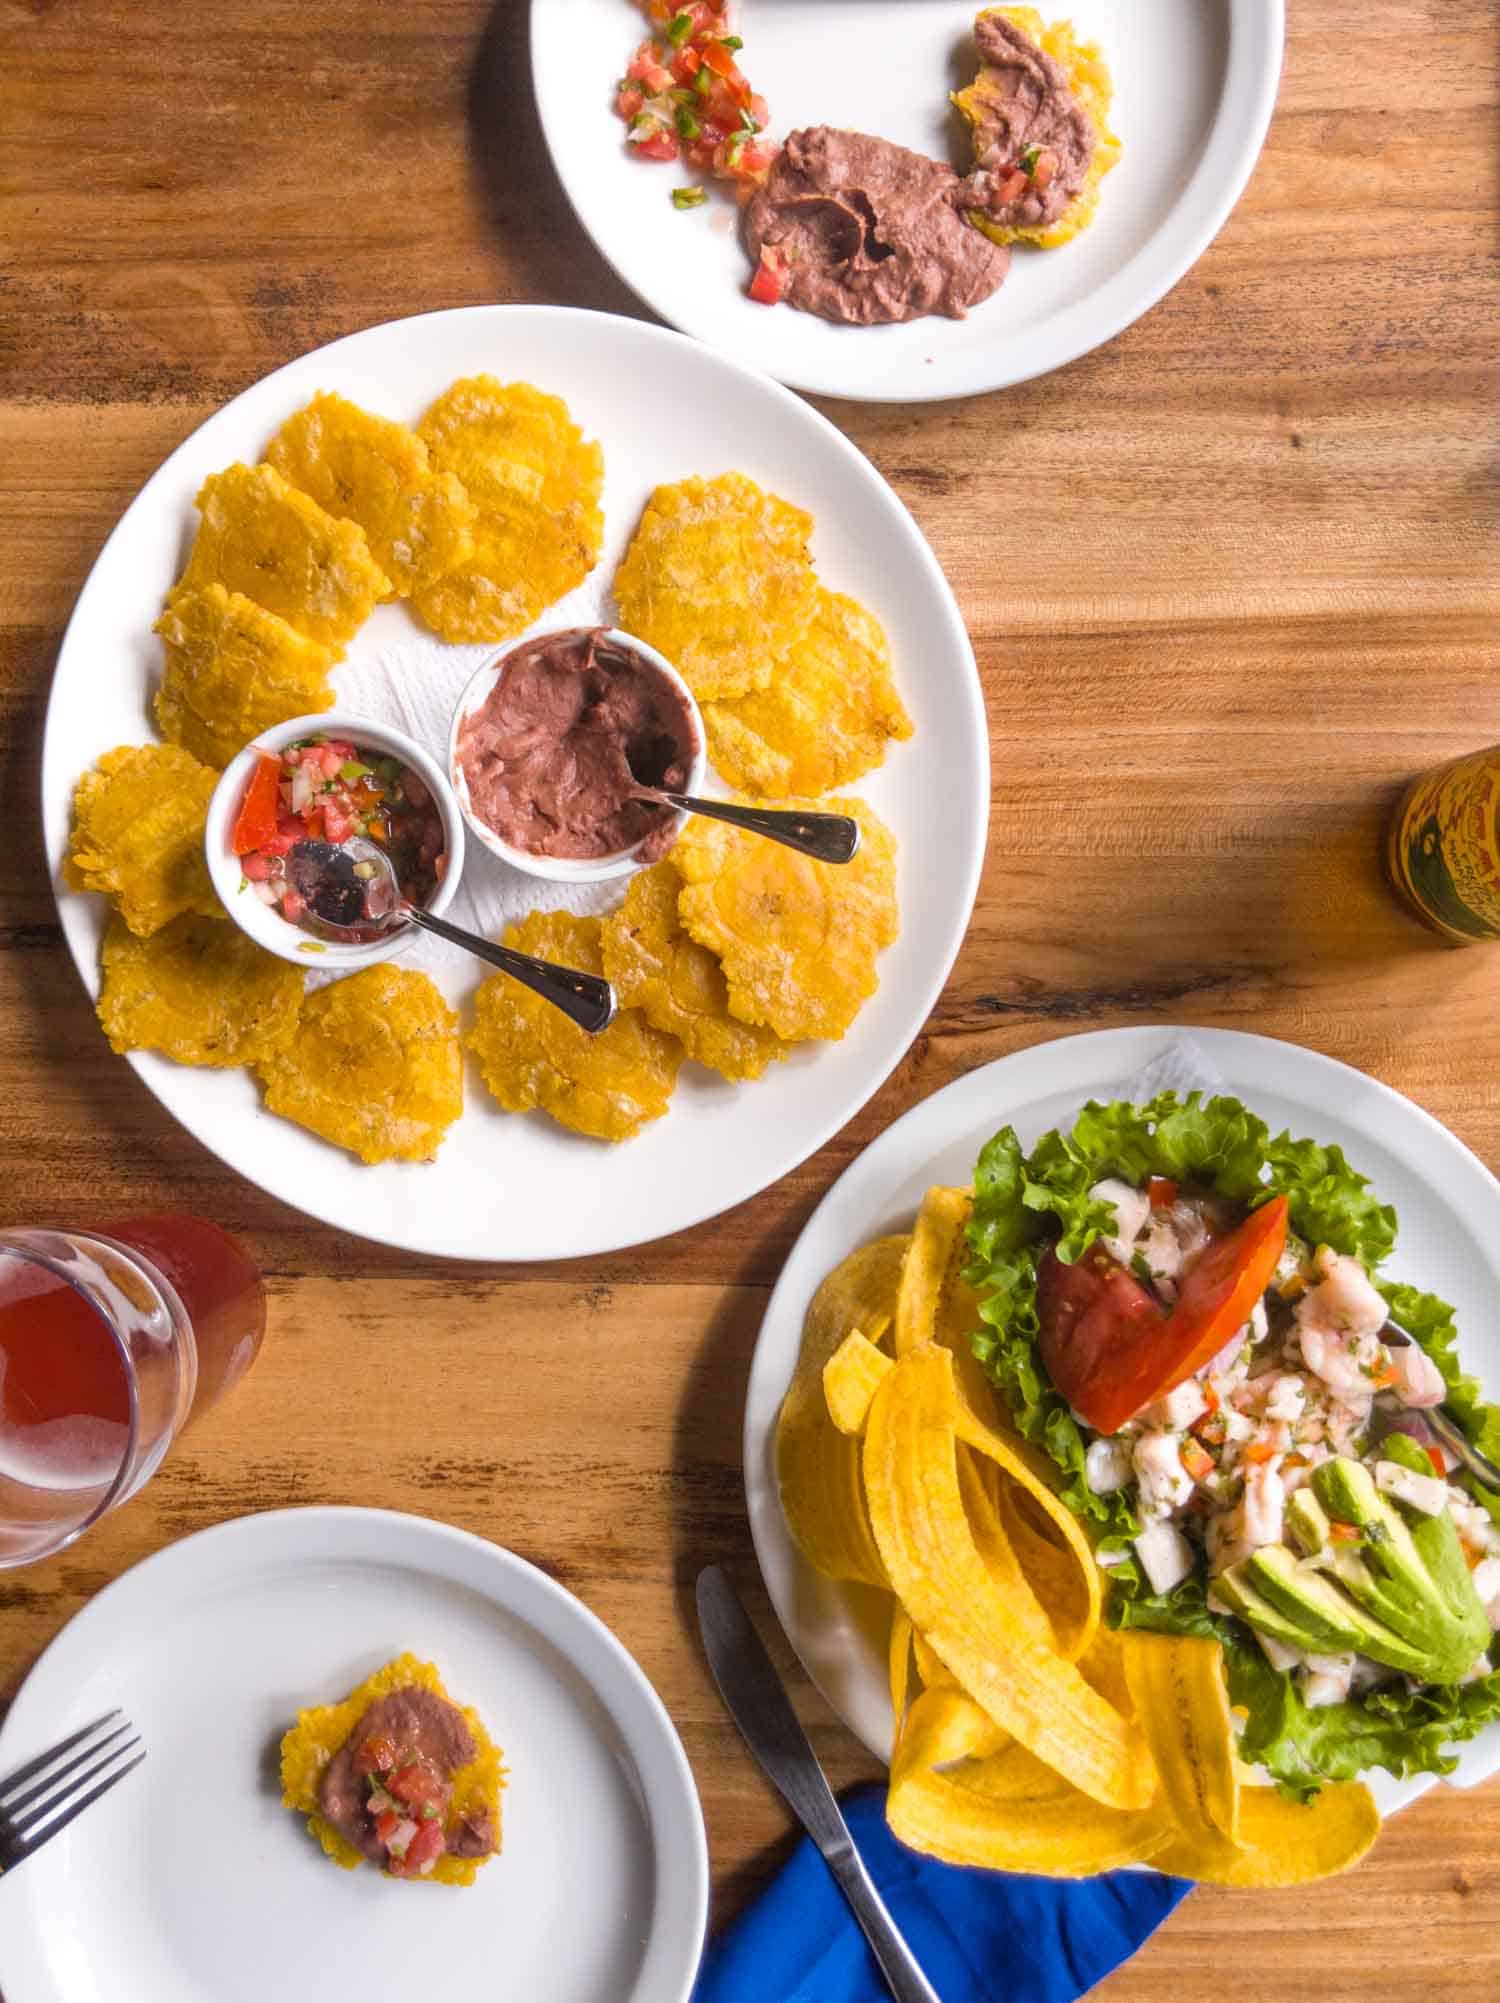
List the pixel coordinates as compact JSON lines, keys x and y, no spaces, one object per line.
{"x":518,"y":1187}
{"x":1447,"y":1201}
{"x":190,"y":1880}
{"x":1195,"y":85}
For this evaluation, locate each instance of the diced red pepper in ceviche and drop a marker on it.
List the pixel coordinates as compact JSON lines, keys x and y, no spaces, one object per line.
{"x":684,"y":97}
{"x":326,"y":788}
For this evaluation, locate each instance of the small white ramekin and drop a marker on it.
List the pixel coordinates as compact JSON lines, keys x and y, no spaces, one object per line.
{"x":559,"y":868}
{"x":267,"y":926}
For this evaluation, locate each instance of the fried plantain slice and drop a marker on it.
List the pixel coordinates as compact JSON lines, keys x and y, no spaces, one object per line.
{"x":374,"y":1066}
{"x":606,"y":1086}
{"x":798,"y":939}
{"x":718,"y":578}
{"x":138,"y":834}
{"x":260,"y":536}
{"x":370,"y":470}
{"x":232,"y":670}
{"x":198,"y":990}
{"x":536,"y":482}
{"x":677,"y":984}
{"x":825,"y":719}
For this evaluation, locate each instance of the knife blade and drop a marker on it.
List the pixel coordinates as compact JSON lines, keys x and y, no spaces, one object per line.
{"x":760,"y":1707}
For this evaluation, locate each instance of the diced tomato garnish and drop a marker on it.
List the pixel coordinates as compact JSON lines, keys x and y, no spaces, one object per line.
{"x":759,"y":110}
{"x":256,"y":866}
{"x":386,"y":1824}
{"x":1196,"y":1461}
{"x":1108,"y":1347}
{"x":1011,"y":188}
{"x":1439,"y":1465}
{"x":256,"y":821}
{"x":425,"y":1848}
{"x":1162,"y":1192}
{"x":337,"y":825}
{"x":686,"y":63}
{"x":647,"y":67}
{"x":377,"y":1755}
{"x":293,"y":904}
{"x":629,"y":99}
{"x":769,"y":282}
{"x":1259,"y":1451}
{"x":1043,"y":171}
{"x":418,"y":1787}
{"x":280,"y":844}
{"x":721,"y":60}
{"x":657,"y":145}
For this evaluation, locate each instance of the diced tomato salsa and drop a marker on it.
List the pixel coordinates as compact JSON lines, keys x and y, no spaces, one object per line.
{"x":684,"y":97}
{"x":407,"y":1801}
{"x":328,"y":789}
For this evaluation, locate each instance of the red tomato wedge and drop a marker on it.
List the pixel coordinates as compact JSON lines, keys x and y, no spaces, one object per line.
{"x":1108,"y":1347}
{"x":255,"y":824}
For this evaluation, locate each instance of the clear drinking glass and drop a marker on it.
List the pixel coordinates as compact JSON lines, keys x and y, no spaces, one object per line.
{"x":109,"y":1344}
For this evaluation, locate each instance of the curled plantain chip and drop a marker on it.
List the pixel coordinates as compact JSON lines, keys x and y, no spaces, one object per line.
{"x":935,"y":1567}
{"x":818,"y":1468}
{"x":851,"y":1377}
{"x":1281,"y":1842}
{"x":1177,"y":1685}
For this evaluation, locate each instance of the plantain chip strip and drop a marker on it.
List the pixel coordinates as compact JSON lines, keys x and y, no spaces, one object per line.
{"x":1177,"y":1685}
{"x":851,"y":1377}
{"x":936,"y":1569}
{"x":1283,"y":1842}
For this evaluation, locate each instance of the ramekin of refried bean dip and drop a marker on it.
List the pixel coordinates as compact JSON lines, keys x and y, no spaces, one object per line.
{"x":553,"y":741}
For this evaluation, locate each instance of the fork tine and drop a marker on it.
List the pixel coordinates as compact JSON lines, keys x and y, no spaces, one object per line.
{"x":22,"y":1825}
{"x":13,"y":1805}
{"x":31,"y":1843}
{"x":52,"y":1753}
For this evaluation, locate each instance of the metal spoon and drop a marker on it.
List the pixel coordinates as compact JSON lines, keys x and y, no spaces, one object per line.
{"x":1442,"y":1422}
{"x":825,"y":837}
{"x":324,"y":873}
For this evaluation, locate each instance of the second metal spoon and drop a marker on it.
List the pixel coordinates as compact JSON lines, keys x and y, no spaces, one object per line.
{"x":825,"y":837}
{"x":325,"y":875}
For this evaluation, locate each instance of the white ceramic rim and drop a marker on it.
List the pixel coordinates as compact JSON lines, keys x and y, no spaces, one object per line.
{"x":1257,"y":31}
{"x":561,"y":868}
{"x":859,"y":1207}
{"x":667,"y":1790}
{"x":266,"y":926}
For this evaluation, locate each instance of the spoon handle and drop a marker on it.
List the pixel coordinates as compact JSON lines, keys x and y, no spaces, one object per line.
{"x":825,"y":837}
{"x":583,"y":998}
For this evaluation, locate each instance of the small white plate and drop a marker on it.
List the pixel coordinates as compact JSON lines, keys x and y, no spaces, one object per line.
{"x":191,"y":1881}
{"x":509,"y":1186}
{"x":1447,"y":1202}
{"x":1195,"y":86}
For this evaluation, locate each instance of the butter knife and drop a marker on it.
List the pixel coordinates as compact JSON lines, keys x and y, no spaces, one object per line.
{"x":759,"y":1705}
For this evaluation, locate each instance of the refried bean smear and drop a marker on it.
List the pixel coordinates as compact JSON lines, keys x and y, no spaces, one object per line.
{"x":576,"y":723}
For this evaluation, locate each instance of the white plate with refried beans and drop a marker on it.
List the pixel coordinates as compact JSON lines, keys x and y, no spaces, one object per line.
{"x":887,"y":293}
{"x":191,"y":1880}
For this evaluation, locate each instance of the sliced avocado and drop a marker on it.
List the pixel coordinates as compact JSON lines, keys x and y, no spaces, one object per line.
{"x":1385,"y":1572}
{"x":1307,"y":1522}
{"x":1437,"y":1543}
{"x":1330,"y":1621}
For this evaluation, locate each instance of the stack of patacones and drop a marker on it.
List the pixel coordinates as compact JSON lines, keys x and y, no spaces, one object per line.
{"x":487,"y":513}
{"x":1032,"y":1737}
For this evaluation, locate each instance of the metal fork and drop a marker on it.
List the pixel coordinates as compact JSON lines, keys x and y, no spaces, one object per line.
{"x":42,"y":1797}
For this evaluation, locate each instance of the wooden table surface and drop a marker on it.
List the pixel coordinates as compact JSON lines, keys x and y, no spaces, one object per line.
{"x":1242,"y":581}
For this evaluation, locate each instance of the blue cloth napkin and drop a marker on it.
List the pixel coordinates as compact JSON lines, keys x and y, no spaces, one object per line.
{"x":981,"y":1936}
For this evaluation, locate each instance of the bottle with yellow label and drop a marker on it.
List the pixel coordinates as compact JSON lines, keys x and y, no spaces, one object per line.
{"x":1443,"y":848}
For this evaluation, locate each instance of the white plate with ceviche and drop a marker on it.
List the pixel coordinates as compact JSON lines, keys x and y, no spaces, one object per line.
{"x":192,"y":1879}
{"x":1263,"y":1501}
{"x":368,"y":1109}
{"x":655,"y":151}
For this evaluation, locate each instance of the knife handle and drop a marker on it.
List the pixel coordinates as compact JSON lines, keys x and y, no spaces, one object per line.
{"x":899,"y":1966}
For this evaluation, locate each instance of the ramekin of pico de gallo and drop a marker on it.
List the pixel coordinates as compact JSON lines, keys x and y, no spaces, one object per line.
{"x":332,"y":778}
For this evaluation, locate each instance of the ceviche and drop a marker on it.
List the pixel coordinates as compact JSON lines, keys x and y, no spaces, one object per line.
{"x":1187,"y":1315}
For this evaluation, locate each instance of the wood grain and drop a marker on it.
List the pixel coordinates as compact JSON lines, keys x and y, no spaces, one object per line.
{"x":1229,"y":580}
